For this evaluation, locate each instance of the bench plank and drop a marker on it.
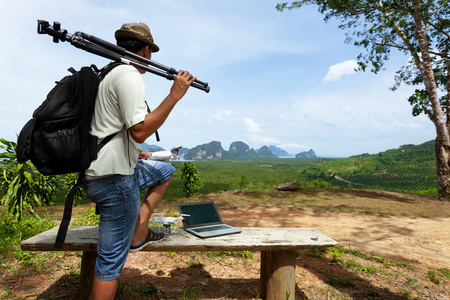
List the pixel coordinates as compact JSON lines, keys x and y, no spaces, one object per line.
{"x":84,"y":238}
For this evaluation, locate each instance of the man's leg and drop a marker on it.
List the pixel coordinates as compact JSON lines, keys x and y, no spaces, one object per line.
{"x":104,"y":290}
{"x":118,"y":200}
{"x":152,"y":198}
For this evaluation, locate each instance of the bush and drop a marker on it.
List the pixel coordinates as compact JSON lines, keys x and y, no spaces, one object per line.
{"x":25,"y":187}
{"x":191,"y":179}
{"x":13,"y":231}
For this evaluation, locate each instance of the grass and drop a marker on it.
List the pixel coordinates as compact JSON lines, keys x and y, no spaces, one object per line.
{"x":242,"y":254}
{"x":12,"y":232}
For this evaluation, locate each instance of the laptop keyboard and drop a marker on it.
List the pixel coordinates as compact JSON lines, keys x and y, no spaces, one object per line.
{"x":209,"y":228}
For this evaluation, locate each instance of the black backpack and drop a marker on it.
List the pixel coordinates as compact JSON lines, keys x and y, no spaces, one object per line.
{"x":57,"y":139}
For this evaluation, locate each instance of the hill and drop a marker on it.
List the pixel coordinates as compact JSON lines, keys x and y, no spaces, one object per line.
{"x":411,"y":167}
{"x":306,"y":154}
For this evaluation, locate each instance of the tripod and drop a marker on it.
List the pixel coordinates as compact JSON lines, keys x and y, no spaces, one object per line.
{"x":105,"y":49}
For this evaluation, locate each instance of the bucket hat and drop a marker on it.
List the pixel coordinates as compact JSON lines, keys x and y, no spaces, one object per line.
{"x":138,"y":31}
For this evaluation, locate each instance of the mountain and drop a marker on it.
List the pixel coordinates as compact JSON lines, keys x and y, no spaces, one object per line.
{"x":241,"y":150}
{"x":211,"y":150}
{"x":183,"y":152}
{"x":264,"y":151}
{"x":278,"y":151}
{"x":149,"y":148}
{"x":306,"y":154}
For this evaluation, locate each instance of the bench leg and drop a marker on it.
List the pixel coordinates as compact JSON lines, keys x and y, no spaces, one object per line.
{"x":87,"y":273}
{"x":278,"y":274}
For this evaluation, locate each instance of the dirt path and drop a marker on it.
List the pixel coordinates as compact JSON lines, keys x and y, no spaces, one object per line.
{"x":412,"y":239}
{"x":378,"y":224}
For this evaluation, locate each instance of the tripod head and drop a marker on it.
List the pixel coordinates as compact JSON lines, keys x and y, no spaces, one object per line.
{"x":55,"y":30}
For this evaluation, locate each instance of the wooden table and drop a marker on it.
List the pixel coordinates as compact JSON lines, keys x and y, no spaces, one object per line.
{"x":277,"y":246}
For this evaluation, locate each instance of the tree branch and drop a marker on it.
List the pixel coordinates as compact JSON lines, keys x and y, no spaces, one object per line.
{"x":430,"y":115}
{"x":403,"y":36}
{"x":438,"y":11}
{"x":440,"y":30}
{"x":407,"y":49}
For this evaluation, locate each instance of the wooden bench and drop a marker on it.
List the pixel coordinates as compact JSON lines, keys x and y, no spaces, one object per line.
{"x":277,"y":246}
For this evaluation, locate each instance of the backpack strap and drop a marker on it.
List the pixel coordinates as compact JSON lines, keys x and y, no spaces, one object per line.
{"x":106,"y":69}
{"x":156,"y":132}
{"x":67,"y":215}
{"x":62,"y":231}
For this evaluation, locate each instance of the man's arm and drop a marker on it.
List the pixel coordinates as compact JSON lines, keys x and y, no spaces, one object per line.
{"x":141,"y":131}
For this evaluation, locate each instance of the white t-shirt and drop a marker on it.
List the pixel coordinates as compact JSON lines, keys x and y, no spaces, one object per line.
{"x":120,"y":104}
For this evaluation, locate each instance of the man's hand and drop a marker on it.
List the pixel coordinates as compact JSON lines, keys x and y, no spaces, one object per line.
{"x":181,"y":84}
{"x":143,"y":154}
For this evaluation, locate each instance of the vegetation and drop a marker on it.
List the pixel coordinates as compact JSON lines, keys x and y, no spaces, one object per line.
{"x":191,"y":179}
{"x":23,"y":187}
{"x":12,"y":232}
{"x":420,"y":30}
{"x":409,"y":168}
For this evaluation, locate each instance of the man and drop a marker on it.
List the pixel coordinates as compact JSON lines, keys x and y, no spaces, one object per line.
{"x":113,"y":180}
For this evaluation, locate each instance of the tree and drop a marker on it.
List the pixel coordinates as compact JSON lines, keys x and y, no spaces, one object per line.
{"x":419,"y":29}
{"x":23,"y":186}
{"x":190,"y":175}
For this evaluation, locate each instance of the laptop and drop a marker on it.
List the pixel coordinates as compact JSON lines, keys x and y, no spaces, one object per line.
{"x":203,"y":220}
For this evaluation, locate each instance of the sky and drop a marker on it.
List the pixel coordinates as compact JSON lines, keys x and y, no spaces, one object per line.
{"x":277,"y":78}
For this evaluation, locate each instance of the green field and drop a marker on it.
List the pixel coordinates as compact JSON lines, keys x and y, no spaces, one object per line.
{"x":409,"y":168}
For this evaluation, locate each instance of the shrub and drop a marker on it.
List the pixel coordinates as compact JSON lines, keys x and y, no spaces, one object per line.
{"x":25,"y":187}
{"x":191,"y":179}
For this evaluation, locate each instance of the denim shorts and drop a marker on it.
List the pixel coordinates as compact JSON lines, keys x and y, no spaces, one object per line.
{"x":118,"y":200}
{"x":150,"y":172}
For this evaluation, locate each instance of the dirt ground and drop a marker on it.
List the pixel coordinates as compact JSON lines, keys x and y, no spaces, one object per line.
{"x":402,"y":238}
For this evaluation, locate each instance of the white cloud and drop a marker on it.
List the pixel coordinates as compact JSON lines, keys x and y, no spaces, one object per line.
{"x":292,"y":146}
{"x":283,"y":117}
{"x":252,"y":126}
{"x":260,"y":140}
{"x":222,"y":114}
{"x":335,"y":72}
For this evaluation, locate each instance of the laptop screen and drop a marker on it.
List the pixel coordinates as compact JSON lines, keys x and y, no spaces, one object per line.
{"x":200,"y":213}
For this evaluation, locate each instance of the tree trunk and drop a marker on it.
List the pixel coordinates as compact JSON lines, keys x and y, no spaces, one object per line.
{"x":443,"y":168}
{"x":442,"y":145}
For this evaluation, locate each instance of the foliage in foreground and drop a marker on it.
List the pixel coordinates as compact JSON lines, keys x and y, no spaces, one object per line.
{"x":190,"y":175}
{"x":13,"y":231}
{"x":24,"y":186}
